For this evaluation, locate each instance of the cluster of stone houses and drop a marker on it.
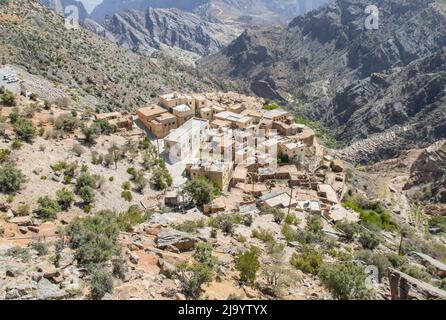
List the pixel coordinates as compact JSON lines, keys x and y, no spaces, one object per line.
{"x":194,"y":130}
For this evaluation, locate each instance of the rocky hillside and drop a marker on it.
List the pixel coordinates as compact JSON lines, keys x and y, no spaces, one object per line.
{"x":353,"y":79}
{"x":35,"y":38}
{"x":146,"y":30}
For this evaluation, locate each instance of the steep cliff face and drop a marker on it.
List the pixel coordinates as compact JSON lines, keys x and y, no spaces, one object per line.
{"x":141,"y":31}
{"x":357,"y":81}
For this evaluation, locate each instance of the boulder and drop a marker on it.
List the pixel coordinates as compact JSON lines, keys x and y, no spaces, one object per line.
{"x":134,"y":258}
{"x":17,"y":291}
{"x":181,"y":240}
{"x":49,"y":291}
{"x":337,"y":166}
{"x":167,"y":269}
{"x":22,"y":221}
{"x":153,"y":230}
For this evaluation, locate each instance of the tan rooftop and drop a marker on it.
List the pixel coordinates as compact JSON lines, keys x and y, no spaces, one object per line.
{"x":152,"y":110}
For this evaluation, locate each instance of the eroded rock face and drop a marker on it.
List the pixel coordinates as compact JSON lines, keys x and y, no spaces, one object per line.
{"x":181,"y":240}
{"x":405,"y":287}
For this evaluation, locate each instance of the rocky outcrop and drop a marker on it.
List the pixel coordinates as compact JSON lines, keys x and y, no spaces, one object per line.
{"x":405,"y":287}
{"x":172,"y":238}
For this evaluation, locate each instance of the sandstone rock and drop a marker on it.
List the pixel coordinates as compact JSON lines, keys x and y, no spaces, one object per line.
{"x":181,"y":240}
{"x":66,"y":258}
{"x":153,"y":230}
{"x":250,"y":293}
{"x":21,"y":221}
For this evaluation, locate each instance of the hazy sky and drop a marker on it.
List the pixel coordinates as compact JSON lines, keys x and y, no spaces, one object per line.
{"x":90,"y":4}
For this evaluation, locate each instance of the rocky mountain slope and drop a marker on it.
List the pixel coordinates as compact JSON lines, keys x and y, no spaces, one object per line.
{"x":247,"y":12}
{"x":35,"y":38}
{"x":353,"y":79}
{"x":147,"y":30}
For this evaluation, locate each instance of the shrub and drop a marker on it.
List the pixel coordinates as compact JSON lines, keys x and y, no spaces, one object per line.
{"x":86,"y":180}
{"x":203,"y":254}
{"x":369,"y":240}
{"x":291,"y":219}
{"x":4,"y":155}
{"x":48,"y":208}
{"x":24,"y":129}
{"x":7,"y":98}
{"x":101,"y":283}
{"x":126,"y":185}
{"x":161,"y":178}
{"x":87,"y":195}
{"x":66,"y":123}
{"x":349,"y":229}
{"x":40,"y":247}
{"x":263,"y":234}
{"x":133,"y":216}
{"x":126,"y":195}
{"x":22,"y":210}
{"x":248,"y":264}
{"x":225,"y":222}
{"x":10,"y":179}
{"x":345,"y":281}
{"x":16,"y":144}
{"x":416,"y":272}
{"x":77,"y":150}
{"x":189,"y":226}
{"x":19,"y":252}
{"x":193,"y":277}
{"x":308,"y":261}
{"x":91,"y":133}
{"x":438,"y":222}
{"x":94,"y":239}
{"x":289,"y":233}
{"x":65,"y":198}
{"x":119,"y":267}
{"x":200,"y":191}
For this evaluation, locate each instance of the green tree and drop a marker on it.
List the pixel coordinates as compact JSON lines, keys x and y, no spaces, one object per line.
{"x":11,"y":178}
{"x":200,"y":191}
{"x":91,"y":133}
{"x":192,"y":277}
{"x":248,"y":264}
{"x":94,"y":239}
